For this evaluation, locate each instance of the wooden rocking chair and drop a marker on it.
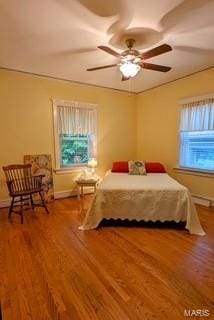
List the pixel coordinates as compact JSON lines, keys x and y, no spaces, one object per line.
{"x":21,"y":186}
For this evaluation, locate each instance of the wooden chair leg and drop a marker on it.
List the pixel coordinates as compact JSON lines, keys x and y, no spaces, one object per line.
{"x":11,"y":208}
{"x":43,"y":201}
{"x":21,"y":209}
{"x":31,"y":201}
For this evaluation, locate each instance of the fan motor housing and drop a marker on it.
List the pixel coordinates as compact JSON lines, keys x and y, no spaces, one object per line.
{"x":131,"y":52}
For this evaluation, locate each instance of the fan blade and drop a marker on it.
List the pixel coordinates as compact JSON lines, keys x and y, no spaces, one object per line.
{"x":156,"y":51}
{"x":103,"y":67}
{"x":155,"y":67}
{"x":125,"y":78}
{"x":110,"y":51}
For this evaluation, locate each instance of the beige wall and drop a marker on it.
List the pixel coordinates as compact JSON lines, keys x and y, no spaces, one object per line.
{"x":145,"y":125}
{"x":26,"y":122}
{"x":158,"y":123}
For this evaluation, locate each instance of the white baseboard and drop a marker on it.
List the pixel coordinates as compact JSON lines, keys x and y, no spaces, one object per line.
{"x":64,"y":194}
{"x":57,"y":195}
{"x":204,"y":201}
{"x":71,"y":193}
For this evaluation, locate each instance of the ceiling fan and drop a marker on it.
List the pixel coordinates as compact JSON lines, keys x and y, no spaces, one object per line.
{"x":131,"y":60}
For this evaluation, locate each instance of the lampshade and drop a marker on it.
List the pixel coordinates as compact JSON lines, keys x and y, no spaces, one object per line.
{"x":129,"y":69}
{"x":92,"y":163}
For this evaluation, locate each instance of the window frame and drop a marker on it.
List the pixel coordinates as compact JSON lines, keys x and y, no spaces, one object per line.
{"x":56,"y":103}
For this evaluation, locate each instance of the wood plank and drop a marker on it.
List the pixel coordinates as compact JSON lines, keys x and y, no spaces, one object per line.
{"x":51,"y":270}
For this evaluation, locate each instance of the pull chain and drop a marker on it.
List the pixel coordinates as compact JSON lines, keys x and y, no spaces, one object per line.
{"x":130,"y":86}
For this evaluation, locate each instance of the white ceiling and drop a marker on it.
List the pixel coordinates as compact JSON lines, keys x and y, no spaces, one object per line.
{"x":59,"y":38}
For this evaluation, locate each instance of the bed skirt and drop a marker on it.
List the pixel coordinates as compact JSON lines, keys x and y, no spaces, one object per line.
{"x":149,"y":205}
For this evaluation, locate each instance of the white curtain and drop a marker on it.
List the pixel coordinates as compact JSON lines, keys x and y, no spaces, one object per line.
{"x":76,"y":118}
{"x":198,"y":116}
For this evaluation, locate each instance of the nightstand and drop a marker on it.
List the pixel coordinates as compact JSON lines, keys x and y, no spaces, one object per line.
{"x":81,"y":183}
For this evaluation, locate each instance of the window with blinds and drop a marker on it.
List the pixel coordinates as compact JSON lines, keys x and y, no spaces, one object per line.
{"x":197,"y":150}
{"x":197,"y":135}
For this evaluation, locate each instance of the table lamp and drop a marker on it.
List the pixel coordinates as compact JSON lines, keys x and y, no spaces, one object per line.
{"x":92,"y":163}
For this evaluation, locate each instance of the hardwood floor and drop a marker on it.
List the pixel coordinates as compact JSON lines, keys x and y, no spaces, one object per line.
{"x":51,"y":270}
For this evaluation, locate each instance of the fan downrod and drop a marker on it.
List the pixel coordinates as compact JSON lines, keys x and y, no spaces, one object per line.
{"x":130,"y":43}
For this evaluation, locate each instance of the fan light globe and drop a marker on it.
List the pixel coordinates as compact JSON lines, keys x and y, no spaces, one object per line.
{"x":92,"y":163}
{"x":129,"y":69}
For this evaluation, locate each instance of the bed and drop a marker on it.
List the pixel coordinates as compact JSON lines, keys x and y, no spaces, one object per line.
{"x":151,"y":197}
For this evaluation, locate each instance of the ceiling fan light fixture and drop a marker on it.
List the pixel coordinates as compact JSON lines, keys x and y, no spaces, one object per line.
{"x":132,"y":61}
{"x":129,"y":69}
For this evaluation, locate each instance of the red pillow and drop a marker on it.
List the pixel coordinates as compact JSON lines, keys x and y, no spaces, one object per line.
{"x":155,"y":167}
{"x":120,"y":166}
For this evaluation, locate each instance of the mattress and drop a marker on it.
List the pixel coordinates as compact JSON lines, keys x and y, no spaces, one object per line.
{"x":151,"y":197}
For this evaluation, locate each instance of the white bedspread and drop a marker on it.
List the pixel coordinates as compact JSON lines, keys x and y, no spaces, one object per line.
{"x":152,"y":197}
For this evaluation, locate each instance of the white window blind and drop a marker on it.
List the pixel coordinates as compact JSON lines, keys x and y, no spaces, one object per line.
{"x":197,"y":135}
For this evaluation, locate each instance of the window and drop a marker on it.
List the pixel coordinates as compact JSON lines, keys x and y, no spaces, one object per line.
{"x":74,"y":150}
{"x":197,"y":135}
{"x":197,"y":150}
{"x":75,"y":133}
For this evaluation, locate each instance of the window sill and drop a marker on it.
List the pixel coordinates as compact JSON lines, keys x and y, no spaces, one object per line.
{"x":195,"y":172}
{"x":68,"y":170}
